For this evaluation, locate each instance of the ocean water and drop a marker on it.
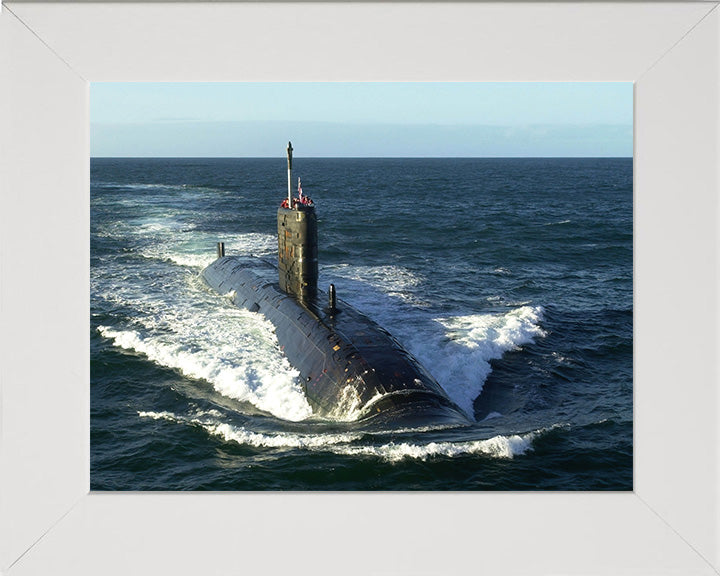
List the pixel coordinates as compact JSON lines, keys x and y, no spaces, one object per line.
{"x":511,"y":280}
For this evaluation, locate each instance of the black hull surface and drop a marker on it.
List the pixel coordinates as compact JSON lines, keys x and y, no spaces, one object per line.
{"x":351,"y":368}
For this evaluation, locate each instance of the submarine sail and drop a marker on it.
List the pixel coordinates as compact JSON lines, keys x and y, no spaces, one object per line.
{"x":350,"y":367}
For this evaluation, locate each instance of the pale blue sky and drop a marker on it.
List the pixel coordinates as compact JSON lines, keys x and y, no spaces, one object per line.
{"x":361,"y":119}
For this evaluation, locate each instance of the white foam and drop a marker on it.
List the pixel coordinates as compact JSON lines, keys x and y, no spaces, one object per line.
{"x":198,"y":250}
{"x":393,"y":280}
{"x":154,"y":225}
{"x":346,"y":443}
{"x":497,"y":333}
{"x":458,"y":349}
{"x":348,"y":407}
{"x":172,"y":238}
{"x":236,"y":351}
{"x":197,"y":261}
{"x":280,"y":440}
{"x":245,"y":437}
{"x":158,"y":415}
{"x":251,"y":243}
{"x":498,"y":447}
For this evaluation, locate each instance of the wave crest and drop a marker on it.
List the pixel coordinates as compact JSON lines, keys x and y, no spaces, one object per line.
{"x":348,"y":443}
{"x":244,"y":370}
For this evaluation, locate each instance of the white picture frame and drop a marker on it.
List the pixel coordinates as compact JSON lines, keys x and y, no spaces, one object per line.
{"x":51,"y":524}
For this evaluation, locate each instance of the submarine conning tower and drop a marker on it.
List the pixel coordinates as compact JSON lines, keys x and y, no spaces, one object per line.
{"x":297,"y":243}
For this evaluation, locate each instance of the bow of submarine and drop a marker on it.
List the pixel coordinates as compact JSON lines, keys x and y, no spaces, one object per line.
{"x":350,"y":367}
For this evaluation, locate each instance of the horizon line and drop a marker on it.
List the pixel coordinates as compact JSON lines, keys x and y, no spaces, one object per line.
{"x":354,"y":157}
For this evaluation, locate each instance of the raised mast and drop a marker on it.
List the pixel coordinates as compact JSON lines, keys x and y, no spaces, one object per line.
{"x":289,"y":159}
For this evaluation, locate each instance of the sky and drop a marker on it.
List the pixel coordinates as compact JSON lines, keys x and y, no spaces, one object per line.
{"x":323,"y":119}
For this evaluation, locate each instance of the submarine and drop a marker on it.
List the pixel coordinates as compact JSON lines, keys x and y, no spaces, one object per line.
{"x":350,"y":367}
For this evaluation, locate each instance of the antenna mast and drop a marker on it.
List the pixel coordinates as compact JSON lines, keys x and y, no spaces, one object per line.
{"x":289,"y":158}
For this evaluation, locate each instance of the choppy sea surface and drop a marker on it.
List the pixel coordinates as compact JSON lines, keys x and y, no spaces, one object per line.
{"x":511,"y":280}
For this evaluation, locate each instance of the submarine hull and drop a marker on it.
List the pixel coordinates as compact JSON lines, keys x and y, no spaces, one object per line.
{"x":350,"y":367}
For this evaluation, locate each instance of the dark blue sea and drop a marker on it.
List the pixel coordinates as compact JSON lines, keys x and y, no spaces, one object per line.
{"x":510,"y":280}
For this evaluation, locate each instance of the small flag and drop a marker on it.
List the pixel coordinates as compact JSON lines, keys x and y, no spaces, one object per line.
{"x":299,"y":190}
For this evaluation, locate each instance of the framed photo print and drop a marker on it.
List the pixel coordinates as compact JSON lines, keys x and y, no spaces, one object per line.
{"x":486,"y":338}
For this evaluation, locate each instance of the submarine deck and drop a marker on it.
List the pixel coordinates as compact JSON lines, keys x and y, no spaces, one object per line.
{"x":350,"y":367}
